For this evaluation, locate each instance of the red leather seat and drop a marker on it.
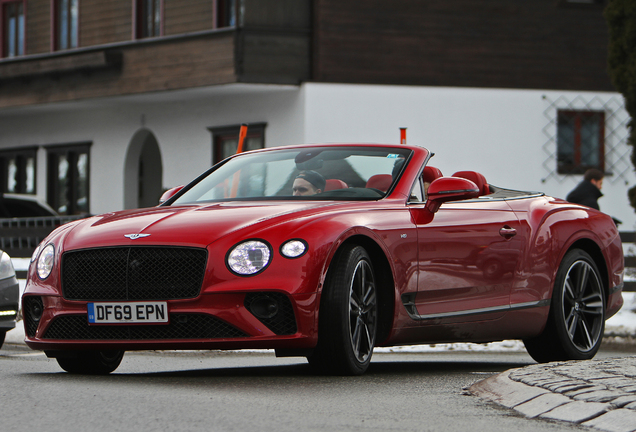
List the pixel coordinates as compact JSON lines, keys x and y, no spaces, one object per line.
{"x":431,"y":173}
{"x":380,"y":181}
{"x":476,"y":178}
{"x":333,"y":184}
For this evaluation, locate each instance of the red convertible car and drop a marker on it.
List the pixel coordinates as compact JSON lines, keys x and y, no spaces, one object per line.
{"x":326,"y":252}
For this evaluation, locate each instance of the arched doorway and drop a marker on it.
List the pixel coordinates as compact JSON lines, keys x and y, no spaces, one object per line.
{"x":143,"y":171}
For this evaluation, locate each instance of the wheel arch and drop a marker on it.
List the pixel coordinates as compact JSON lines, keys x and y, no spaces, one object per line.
{"x":385,"y":282}
{"x":592,"y":249}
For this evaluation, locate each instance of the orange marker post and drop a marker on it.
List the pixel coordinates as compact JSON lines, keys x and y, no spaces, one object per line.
{"x":239,"y":149}
{"x":402,"y":135}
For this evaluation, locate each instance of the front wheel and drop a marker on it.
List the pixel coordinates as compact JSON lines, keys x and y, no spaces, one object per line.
{"x":348,"y":315}
{"x":91,"y":362}
{"x":576,"y":322}
{"x":3,"y":333}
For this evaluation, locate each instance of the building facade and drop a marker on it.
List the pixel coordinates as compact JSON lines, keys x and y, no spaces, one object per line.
{"x":104,"y":104}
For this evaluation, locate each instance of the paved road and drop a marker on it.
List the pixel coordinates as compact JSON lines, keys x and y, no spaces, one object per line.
{"x":229,"y":391}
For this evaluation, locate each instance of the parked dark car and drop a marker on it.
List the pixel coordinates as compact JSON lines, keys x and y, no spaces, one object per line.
{"x":9,"y":294}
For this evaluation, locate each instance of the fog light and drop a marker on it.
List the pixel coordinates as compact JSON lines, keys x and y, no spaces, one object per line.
{"x":35,"y":311}
{"x":264,"y":307}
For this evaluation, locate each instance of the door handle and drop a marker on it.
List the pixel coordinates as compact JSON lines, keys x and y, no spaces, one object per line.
{"x":507,"y":232}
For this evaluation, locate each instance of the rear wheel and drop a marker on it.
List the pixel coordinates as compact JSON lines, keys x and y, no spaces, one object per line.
{"x":348,"y":315}
{"x":3,"y":333}
{"x":91,"y":362}
{"x":574,"y":330}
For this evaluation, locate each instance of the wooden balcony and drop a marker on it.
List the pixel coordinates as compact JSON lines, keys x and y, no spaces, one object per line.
{"x":200,"y":59}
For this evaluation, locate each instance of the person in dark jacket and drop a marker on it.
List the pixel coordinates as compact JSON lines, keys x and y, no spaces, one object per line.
{"x":589,"y":190}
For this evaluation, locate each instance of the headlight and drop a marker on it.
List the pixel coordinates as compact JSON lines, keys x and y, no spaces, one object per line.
{"x":46,"y":261}
{"x":293,"y":248}
{"x":249,"y":257}
{"x":36,"y":252}
{"x":6,"y":267}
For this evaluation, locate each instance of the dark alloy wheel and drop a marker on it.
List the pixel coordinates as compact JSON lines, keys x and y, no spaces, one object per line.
{"x":348,"y":315}
{"x":577,"y":313}
{"x":90,"y":362}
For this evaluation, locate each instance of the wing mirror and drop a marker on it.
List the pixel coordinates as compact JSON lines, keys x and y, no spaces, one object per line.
{"x":441,"y":190}
{"x":169,"y":194}
{"x":446,"y":189}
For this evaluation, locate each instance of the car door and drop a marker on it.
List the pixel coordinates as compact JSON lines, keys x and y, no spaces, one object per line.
{"x":467,"y":256}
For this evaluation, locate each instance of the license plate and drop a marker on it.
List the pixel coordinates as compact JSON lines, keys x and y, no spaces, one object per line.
{"x":133,"y":312}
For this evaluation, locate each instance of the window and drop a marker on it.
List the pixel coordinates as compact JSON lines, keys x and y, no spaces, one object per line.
{"x":225,"y":140}
{"x":149,"y":18}
{"x":66,"y":24}
{"x":68,"y":178}
{"x":225,"y":13}
{"x":580,"y":141}
{"x":12,"y":14}
{"x":17,"y":168}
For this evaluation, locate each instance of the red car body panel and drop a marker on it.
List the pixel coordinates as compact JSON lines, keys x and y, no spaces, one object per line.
{"x":477,"y":270}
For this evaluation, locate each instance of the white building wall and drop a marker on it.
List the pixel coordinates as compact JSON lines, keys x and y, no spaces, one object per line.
{"x":500,"y":133}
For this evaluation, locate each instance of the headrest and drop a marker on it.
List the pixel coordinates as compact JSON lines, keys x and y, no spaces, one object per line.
{"x":476,"y":178}
{"x":380,"y":181}
{"x":333,"y":184}
{"x":431,"y":173}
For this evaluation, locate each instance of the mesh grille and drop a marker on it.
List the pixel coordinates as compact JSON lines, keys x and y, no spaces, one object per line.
{"x":182,"y":326}
{"x":28,"y":303}
{"x":134,"y":273}
{"x":283,"y":322}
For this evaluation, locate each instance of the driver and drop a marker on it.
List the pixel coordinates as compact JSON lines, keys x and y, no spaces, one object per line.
{"x":308,"y":183}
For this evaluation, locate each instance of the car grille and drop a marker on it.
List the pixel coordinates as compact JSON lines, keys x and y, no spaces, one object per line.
{"x":182,"y":326}
{"x":133,"y":273}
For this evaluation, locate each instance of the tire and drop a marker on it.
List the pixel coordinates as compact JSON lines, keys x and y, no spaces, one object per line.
{"x":3,"y":333}
{"x":348,"y":315}
{"x":91,"y":362}
{"x":576,"y":321}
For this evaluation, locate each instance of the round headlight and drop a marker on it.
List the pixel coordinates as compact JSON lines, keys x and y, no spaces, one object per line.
{"x":293,"y":248}
{"x":46,"y":261}
{"x":36,"y":252}
{"x":249,"y":258}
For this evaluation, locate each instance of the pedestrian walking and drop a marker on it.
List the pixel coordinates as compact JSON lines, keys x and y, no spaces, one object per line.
{"x":589,"y":190}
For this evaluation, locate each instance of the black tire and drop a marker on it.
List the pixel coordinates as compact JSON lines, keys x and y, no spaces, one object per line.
{"x":576,"y":322}
{"x":3,"y":333}
{"x":91,"y":362}
{"x":348,"y":315}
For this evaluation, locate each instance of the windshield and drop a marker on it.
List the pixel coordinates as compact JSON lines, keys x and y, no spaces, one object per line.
{"x":317,"y":173}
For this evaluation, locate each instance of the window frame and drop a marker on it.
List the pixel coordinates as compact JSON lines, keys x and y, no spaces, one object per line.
{"x":21,"y":47}
{"x":139,"y":24}
{"x":56,"y":26}
{"x":72,"y":152}
{"x":223,"y":133}
{"x":22,"y":155}
{"x":219,"y":10}
{"x":578,"y":167}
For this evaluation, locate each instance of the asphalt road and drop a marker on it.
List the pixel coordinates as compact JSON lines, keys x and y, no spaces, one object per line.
{"x":216,"y":391}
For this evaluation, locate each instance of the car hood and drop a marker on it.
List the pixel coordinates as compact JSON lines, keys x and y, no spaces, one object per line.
{"x":195,"y":226}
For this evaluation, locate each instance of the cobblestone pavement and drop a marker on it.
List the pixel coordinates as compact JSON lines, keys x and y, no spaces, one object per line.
{"x":596,"y":393}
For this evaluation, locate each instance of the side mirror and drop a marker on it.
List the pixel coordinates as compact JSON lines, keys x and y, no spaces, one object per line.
{"x":441,"y":190}
{"x":169,"y":194}
{"x":445,"y":189}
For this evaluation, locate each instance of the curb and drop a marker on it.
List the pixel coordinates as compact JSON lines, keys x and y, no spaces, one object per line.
{"x":569,"y":392}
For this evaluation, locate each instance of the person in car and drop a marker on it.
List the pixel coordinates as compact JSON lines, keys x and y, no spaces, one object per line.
{"x":308,"y":183}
